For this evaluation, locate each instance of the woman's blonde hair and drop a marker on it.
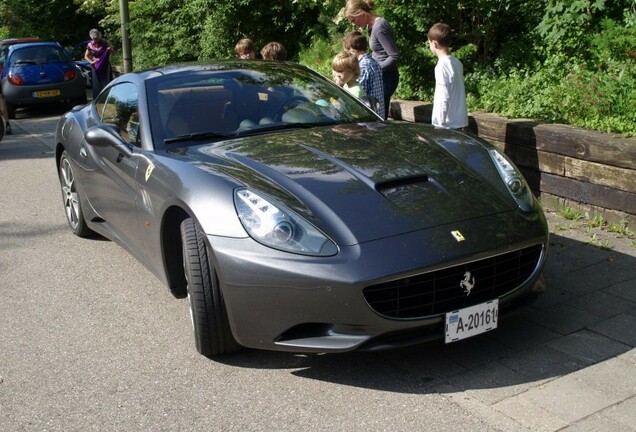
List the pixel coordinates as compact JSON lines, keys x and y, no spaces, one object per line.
{"x":358,"y":7}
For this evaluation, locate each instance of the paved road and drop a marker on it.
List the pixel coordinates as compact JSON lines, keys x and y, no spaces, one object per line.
{"x":91,"y":341}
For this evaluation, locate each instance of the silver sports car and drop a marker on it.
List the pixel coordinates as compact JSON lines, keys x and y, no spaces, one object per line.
{"x":292,"y":217}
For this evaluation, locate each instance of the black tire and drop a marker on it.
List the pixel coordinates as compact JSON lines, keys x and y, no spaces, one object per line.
{"x":11,"y":111}
{"x":211,"y":327}
{"x":71,"y":200}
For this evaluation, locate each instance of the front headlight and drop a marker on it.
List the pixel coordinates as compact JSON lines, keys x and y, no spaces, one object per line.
{"x":278,"y":227}
{"x":513,"y":180}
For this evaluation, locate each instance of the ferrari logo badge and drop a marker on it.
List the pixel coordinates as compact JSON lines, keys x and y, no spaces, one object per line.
{"x":468,"y":283}
{"x":458,"y":236}
{"x":149,"y":170}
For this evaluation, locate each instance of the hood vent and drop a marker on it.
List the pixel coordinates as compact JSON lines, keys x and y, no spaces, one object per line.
{"x":400,"y":182}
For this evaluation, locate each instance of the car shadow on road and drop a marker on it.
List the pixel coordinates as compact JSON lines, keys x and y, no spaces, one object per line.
{"x":586,"y":316}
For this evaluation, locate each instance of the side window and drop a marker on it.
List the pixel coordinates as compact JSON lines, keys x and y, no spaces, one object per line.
{"x":119,"y":108}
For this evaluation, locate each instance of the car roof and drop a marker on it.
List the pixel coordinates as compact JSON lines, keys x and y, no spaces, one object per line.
{"x":13,"y":41}
{"x":19,"y":46}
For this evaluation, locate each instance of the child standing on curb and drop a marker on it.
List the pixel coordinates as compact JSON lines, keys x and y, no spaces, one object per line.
{"x":449,"y":101}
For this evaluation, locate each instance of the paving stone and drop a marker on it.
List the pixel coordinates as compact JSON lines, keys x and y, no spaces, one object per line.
{"x":629,"y":357}
{"x":589,"y":347}
{"x":597,"y":423}
{"x":625,"y":290}
{"x":521,"y":332}
{"x":569,"y":398}
{"x":621,"y":328}
{"x":624,"y":413}
{"x":491,"y":383}
{"x":564,"y":318}
{"x":542,"y":363}
{"x":553,"y":295}
{"x":615,"y":377}
{"x":602,"y":304}
{"x":530,"y":415}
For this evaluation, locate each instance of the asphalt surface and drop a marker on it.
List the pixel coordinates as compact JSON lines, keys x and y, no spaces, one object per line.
{"x":91,"y":341}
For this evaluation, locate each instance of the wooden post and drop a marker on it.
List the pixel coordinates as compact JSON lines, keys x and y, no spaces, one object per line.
{"x":125,"y":39}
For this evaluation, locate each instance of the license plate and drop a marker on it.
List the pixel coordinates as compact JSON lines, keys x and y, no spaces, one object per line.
{"x":471,"y":321}
{"x":46,"y":93}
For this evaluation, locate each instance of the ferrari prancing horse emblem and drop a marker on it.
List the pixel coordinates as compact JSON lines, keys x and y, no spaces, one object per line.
{"x":468,"y":283}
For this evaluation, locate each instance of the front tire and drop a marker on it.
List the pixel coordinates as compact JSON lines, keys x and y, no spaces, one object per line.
{"x":211,"y":326}
{"x":71,"y":199}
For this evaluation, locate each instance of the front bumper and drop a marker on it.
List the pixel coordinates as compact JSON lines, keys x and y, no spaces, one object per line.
{"x":287,"y":302}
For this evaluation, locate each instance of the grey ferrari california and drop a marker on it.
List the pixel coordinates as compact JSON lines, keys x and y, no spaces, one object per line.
{"x":292,"y":217}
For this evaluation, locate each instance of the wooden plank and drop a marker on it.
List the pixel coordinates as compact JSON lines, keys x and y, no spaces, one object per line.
{"x":577,"y":143}
{"x":592,"y":172}
{"x":582,"y":192}
{"x":536,"y":160}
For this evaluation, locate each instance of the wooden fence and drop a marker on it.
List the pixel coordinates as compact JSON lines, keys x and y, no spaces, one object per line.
{"x":588,"y":171}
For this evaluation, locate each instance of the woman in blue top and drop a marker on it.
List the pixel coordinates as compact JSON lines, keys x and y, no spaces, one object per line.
{"x":381,"y":41}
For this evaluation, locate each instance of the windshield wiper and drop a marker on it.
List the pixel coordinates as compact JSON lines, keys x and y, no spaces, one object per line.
{"x":26,"y":62}
{"x":198,"y":136}
{"x":282,"y":126}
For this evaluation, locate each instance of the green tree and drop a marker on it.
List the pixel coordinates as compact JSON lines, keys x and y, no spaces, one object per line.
{"x":57,"y":20}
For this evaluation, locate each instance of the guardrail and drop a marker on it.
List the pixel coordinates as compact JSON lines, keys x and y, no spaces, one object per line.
{"x":589,"y":171}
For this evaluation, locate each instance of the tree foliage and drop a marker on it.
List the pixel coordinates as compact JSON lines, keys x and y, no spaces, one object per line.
{"x":558,"y":60}
{"x":52,"y":19}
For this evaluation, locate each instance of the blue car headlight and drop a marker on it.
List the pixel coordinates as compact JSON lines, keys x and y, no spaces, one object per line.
{"x":278,"y":227}
{"x":512,"y":178}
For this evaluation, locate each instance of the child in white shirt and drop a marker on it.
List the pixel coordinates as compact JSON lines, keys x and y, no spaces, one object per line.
{"x":449,"y":101}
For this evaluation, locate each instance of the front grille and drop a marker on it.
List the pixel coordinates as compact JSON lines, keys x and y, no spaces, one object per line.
{"x":441,"y":291}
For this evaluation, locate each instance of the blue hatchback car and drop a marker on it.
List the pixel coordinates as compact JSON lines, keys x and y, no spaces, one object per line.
{"x":38,"y":73}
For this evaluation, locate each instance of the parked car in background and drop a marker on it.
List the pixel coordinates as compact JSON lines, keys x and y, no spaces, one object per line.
{"x":38,"y":73}
{"x":6,"y":43}
{"x":77,"y":53}
{"x":294,"y":218}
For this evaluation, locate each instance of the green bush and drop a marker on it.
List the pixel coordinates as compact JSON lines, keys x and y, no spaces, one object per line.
{"x":594,"y":90}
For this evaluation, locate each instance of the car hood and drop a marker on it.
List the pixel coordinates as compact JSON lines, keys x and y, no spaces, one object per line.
{"x":364,"y":182}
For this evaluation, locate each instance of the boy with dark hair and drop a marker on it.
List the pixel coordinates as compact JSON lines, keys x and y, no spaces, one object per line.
{"x":274,"y":51}
{"x":370,"y":78}
{"x":245,"y":49}
{"x":449,"y":101}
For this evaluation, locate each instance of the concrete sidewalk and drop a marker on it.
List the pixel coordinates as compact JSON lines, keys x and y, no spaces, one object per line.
{"x":569,"y":363}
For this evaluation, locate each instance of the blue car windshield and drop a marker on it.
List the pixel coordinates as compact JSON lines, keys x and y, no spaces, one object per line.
{"x":243,"y":99}
{"x":38,"y":55}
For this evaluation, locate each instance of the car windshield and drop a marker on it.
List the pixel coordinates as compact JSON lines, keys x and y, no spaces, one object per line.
{"x":38,"y":55}
{"x":241,"y":99}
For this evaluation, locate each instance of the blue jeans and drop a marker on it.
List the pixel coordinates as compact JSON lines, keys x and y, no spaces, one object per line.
{"x":390,"y":79}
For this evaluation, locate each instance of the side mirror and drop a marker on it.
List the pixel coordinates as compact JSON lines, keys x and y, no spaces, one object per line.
{"x":107,"y":136}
